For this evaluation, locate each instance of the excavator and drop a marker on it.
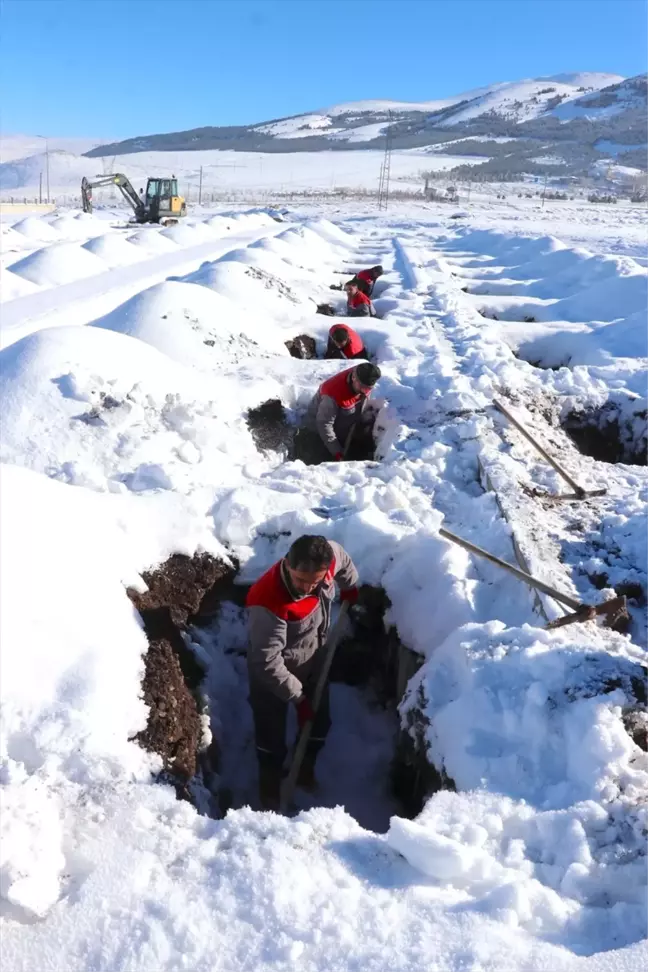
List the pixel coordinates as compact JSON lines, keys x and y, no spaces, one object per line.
{"x":161,"y":204}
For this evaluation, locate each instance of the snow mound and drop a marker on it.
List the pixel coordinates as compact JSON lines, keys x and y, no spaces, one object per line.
{"x":117,"y":415}
{"x":606,"y":300}
{"x":70,"y":228}
{"x":114,"y":250}
{"x":550,"y":734}
{"x":330,"y":231}
{"x":152,"y":241}
{"x":598,"y":346}
{"x":11,"y":240}
{"x":190,"y":232}
{"x":179,"y":318}
{"x":58,"y":264}
{"x":219,"y":223}
{"x":250,"y":286}
{"x":36,"y":229}
{"x":13,"y":286}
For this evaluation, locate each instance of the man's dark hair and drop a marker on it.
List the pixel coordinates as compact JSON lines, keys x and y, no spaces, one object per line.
{"x":377,"y":272}
{"x":310,"y":554}
{"x":368,"y":374}
{"x":340,"y":335}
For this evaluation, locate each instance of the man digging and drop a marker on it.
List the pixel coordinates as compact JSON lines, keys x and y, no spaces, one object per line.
{"x":289,"y":613}
{"x":338,"y":408}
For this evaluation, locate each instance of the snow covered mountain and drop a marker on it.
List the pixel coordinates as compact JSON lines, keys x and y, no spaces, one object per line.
{"x":514,"y":127}
{"x":516,"y":106}
{"x":563,"y":125}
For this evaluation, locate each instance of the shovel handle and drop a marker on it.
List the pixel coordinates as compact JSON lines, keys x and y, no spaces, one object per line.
{"x":580,"y":492}
{"x":302,"y":743}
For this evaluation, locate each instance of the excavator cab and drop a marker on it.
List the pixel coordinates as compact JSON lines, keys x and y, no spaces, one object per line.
{"x":162,"y":200}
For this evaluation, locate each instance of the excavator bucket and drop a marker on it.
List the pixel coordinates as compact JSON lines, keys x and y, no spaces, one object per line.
{"x":86,"y":195}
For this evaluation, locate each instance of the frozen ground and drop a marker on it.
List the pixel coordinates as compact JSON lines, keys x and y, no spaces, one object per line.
{"x":124,"y":392}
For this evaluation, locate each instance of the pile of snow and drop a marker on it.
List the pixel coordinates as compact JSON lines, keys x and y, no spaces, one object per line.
{"x":13,"y":286}
{"x":114,"y":250}
{"x":58,"y":264}
{"x":191,"y":324}
{"x":79,"y":226}
{"x":152,"y":241}
{"x":36,"y":229}
{"x":10,"y":240}
{"x":607,"y":300}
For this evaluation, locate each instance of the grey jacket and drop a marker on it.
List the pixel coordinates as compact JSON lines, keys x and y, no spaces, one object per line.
{"x":364,"y":310}
{"x":331,"y":421}
{"x":287,"y":635}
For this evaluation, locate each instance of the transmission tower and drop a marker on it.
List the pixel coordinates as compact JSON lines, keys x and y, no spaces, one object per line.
{"x":385,"y":168}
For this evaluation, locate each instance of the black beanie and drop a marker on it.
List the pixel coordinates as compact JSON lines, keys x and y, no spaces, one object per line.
{"x":368,"y":374}
{"x":377,"y":272}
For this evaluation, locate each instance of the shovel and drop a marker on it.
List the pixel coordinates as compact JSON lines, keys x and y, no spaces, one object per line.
{"x":614,"y":610}
{"x":335,"y":634}
{"x":579,"y":493}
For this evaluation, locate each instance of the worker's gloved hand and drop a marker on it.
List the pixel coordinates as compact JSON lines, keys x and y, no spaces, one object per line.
{"x":339,"y":456}
{"x":304,"y":711}
{"x":349,"y":596}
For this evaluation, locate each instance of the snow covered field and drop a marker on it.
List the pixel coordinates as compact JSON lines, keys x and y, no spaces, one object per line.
{"x":224,"y":171}
{"x":130,"y":358}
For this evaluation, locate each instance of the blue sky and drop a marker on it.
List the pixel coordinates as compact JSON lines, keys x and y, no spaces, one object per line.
{"x":115,"y":68}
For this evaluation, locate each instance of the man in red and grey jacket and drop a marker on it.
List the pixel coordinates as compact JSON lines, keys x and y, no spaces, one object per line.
{"x":344,"y":342}
{"x":338,"y":405}
{"x":289,"y":611}
{"x":358,"y":304}
{"x":367,"y":278}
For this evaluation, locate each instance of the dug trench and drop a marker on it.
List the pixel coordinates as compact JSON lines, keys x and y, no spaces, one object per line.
{"x":608,"y":435}
{"x":200,"y":721}
{"x":271,"y":430}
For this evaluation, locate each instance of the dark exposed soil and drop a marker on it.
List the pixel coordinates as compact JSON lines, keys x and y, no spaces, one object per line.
{"x":327,"y":309}
{"x":269,"y":426}
{"x":635,"y":721}
{"x":173,"y":730}
{"x":303,"y":346}
{"x":177,"y":590}
{"x":599,"y":433}
{"x":308,"y":447}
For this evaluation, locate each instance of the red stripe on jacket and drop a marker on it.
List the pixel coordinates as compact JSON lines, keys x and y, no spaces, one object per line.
{"x":339,"y":389}
{"x":355,"y":345}
{"x":357,"y":299}
{"x":271,"y":593}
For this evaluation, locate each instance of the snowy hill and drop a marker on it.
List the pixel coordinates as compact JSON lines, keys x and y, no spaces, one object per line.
{"x":560,"y":117}
{"x":519,"y":101}
{"x":563,"y":125}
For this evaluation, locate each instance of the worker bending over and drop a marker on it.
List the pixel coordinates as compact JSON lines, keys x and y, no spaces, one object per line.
{"x":338,"y":406}
{"x":344,"y":342}
{"x":366,"y":279}
{"x":289,"y":614}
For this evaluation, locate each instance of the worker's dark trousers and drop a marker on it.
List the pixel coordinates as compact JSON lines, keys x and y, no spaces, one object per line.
{"x":270,"y":715}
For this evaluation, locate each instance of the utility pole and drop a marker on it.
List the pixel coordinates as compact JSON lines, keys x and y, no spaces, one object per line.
{"x":385,"y":171}
{"x":40,"y":187}
{"x":544,"y":189}
{"x":46,"y":140}
{"x":200,"y":188}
